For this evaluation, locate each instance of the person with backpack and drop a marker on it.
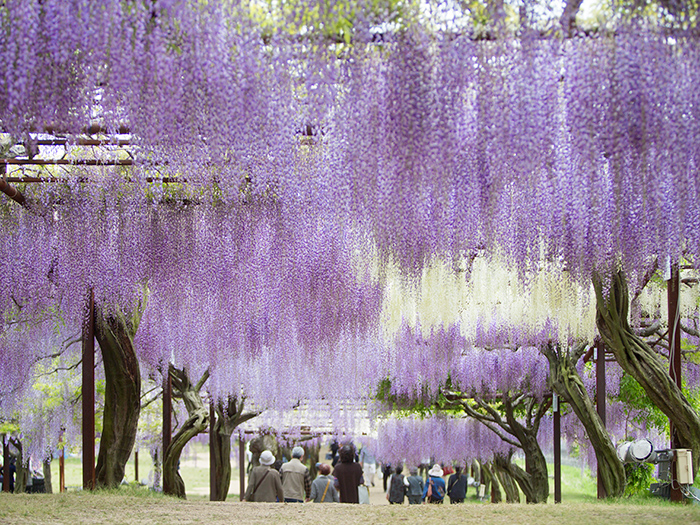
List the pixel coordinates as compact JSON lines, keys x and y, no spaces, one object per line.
{"x":397,"y":489}
{"x":457,"y":486}
{"x":434,"y":491}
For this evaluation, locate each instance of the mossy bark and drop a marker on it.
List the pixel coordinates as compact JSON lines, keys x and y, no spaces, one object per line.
{"x":641,"y":362}
{"x":534,"y":480}
{"x":503,"y":467}
{"x":114,"y":334}
{"x":196,"y":423}
{"x":228,"y":418}
{"x":566,"y":381}
{"x":46,"y":468}
{"x":492,"y":485}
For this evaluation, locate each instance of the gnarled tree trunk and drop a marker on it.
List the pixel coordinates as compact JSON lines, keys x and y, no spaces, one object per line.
{"x":534,"y":481}
{"x":502,"y":467}
{"x":491,"y":483}
{"x":641,"y":362}
{"x":566,"y":381}
{"x":22,"y":471}
{"x":228,"y":418}
{"x":115,"y":335}
{"x":196,"y":423}
{"x":46,"y":467}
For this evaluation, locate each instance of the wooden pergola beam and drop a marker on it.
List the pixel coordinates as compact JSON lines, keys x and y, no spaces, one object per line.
{"x":12,"y":193}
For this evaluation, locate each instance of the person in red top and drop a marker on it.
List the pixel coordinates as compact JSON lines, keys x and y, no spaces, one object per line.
{"x":348,"y":475}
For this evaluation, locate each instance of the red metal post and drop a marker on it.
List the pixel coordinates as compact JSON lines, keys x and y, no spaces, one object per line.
{"x":557,"y":448}
{"x":674,"y":342}
{"x":5,"y":464}
{"x":167,"y":417}
{"x":62,"y":470}
{"x":241,"y":466}
{"x":88,"y":394}
{"x":213,"y":485}
{"x":600,"y":400}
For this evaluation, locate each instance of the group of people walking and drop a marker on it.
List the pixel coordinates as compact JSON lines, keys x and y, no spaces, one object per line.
{"x":293,"y":484}
{"x":431,"y":490}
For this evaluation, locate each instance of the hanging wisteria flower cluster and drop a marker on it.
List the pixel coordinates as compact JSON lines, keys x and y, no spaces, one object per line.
{"x":275,"y":155}
{"x":414,"y":440}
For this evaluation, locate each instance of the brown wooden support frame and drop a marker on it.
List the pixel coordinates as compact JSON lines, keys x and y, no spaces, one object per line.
{"x":5,"y":464}
{"x":557,"y":447}
{"x":88,"y":395}
{"x":213,"y":480}
{"x":241,"y":467}
{"x":167,"y":416}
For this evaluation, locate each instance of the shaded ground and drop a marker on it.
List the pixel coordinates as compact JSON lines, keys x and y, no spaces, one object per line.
{"x":124,"y":508}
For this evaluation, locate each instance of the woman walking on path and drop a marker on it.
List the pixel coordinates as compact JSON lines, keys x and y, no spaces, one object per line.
{"x":434,"y":491}
{"x":397,"y":489}
{"x":323,"y":487}
{"x":265,"y":483}
{"x":457,"y":486}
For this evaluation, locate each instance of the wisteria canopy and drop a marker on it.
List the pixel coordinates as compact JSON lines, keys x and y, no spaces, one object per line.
{"x":284,"y":174}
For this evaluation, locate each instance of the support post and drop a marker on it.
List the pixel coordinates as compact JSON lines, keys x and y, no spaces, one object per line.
{"x":557,"y":448}
{"x":62,"y":470}
{"x":241,"y":463}
{"x":599,"y":356}
{"x":136,"y":465}
{"x":5,"y":464}
{"x":167,"y":418}
{"x":88,"y":395}
{"x":213,"y":481}
{"x":61,"y":464}
{"x":674,"y":354}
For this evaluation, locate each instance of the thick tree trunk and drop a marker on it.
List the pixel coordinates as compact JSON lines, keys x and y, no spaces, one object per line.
{"x":510,"y":487}
{"x":114,"y":334}
{"x":22,"y":472}
{"x":531,"y":485}
{"x":157,"y":469}
{"x":196,"y":423}
{"x":643,"y":364}
{"x":46,"y":467}
{"x":491,"y":483}
{"x":534,"y":481}
{"x":568,"y":384}
{"x":228,"y":418}
{"x":312,"y":457}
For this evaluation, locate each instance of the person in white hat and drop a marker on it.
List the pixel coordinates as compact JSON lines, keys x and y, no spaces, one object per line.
{"x":264,"y":483}
{"x":434,"y":491}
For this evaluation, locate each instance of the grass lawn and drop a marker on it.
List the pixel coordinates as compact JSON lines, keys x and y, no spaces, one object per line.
{"x":136,"y":505}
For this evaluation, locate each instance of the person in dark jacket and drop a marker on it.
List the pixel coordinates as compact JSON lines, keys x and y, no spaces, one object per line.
{"x":457,"y":486}
{"x":397,"y":488}
{"x":348,"y":475}
{"x":414,"y":487}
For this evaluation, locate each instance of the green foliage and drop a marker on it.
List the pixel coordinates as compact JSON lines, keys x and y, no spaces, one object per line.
{"x":639,"y":477}
{"x":634,"y":396}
